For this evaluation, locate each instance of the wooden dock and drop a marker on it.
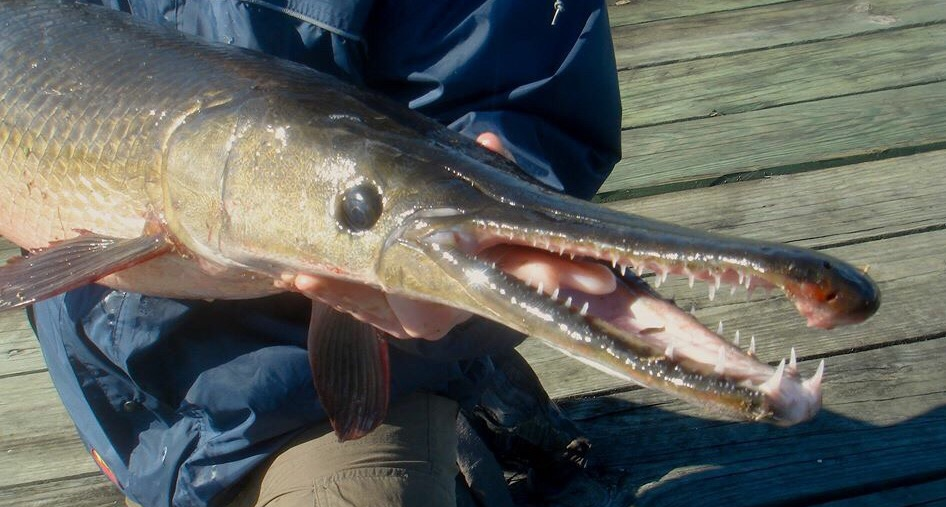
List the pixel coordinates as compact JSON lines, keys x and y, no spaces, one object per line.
{"x":819,"y":123}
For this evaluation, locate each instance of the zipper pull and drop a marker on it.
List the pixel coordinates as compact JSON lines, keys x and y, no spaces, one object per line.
{"x":559,"y":7}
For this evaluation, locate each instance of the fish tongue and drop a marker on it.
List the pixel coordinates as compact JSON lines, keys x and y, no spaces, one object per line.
{"x":552,"y":271}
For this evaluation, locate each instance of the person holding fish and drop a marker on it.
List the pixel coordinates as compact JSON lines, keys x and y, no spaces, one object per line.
{"x":194,"y":403}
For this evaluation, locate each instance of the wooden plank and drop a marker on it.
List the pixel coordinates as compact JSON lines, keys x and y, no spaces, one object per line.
{"x":838,"y":205}
{"x":767,"y":26}
{"x":780,"y":139}
{"x":884,"y":424}
{"x":37,"y":439}
{"x":926,"y":494}
{"x":629,"y":12}
{"x":84,"y":491}
{"x":786,"y":75}
{"x":19,"y":351}
{"x":883,"y":199}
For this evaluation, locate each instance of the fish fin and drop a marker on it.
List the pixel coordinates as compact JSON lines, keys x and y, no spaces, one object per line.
{"x":71,"y":263}
{"x":350,"y":368}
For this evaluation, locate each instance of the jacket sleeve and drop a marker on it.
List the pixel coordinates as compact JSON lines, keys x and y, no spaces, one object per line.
{"x":475,"y":67}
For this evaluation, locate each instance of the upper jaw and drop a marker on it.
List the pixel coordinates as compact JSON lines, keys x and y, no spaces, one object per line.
{"x":612,"y":318}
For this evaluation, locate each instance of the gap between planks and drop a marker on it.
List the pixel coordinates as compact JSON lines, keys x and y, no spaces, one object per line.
{"x":785,"y":139}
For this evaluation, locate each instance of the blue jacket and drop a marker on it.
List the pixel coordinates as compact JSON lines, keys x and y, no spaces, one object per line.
{"x":180,"y":399}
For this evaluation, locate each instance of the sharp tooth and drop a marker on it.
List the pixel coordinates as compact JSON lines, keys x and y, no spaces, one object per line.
{"x":657,"y":281}
{"x":716,"y":280}
{"x":663,"y":276}
{"x":735,"y":340}
{"x":639,"y":269}
{"x":692,"y":309}
{"x":584,"y":309}
{"x":623,"y":269}
{"x":572,"y":255}
{"x":669,"y":351}
{"x":792,"y":361}
{"x":776,"y":379}
{"x":555,"y":293}
{"x":568,"y":302}
{"x":751,"y":350}
{"x":814,"y":383}
{"x":541,"y":288}
{"x":712,"y":293}
{"x":719,"y":328}
{"x":614,"y":261}
{"x":742,"y":276}
{"x":748,"y":281}
{"x":720,"y":362}
{"x":691,"y":279}
{"x":535,"y":244}
{"x":732,"y":290}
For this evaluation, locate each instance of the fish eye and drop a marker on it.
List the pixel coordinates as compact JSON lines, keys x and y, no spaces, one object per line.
{"x":359,"y":207}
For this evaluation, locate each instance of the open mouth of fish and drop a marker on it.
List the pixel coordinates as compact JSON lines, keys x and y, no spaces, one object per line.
{"x":587,"y":298}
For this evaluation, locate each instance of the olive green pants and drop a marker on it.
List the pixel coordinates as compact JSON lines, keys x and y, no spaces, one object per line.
{"x":410,"y":460}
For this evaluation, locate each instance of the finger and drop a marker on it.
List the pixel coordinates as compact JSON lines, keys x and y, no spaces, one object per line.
{"x":492,"y":142}
{"x":421,"y":319}
{"x":361,"y":301}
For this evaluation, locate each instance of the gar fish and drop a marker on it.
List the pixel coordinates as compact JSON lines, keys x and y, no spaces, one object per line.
{"x":151,"y":161}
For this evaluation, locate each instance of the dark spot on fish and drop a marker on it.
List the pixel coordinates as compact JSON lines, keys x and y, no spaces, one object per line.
{"x":359,"y":207}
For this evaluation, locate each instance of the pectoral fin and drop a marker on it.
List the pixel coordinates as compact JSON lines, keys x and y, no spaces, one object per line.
{"x":349,"y":360}
{"x":72,"y":263}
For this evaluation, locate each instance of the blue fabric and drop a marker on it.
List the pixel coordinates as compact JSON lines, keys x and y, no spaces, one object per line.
{"x":182,"y":398}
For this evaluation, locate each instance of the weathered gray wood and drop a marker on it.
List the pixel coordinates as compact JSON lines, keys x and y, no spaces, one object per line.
{"x":793,"y":137}
{"x":37,"y":439}
{"x":628,"y":12}
{"x":764,"y":27}
{"x":831,"y":206}
{"x":19,"y":351}
{"x":884,"y":423}
{"x":84,"y":491}
{"x":785,"y":75}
